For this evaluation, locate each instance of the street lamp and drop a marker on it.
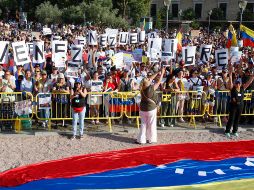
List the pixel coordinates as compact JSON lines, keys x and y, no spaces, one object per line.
{"x":167,"y":4}
{"x":180,"y":12}
{"x":242,"y":5}
{"x":209,"y":16}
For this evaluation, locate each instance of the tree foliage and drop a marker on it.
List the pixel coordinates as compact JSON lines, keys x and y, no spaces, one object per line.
{"x":48,"y":13}
{"x":188,"y":14}
{"x":217,"y":14}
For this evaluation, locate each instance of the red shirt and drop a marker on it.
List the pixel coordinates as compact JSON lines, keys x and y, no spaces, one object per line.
{"x":110,"y":85}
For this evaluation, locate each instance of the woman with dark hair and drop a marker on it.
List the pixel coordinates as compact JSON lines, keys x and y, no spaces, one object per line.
{"x":78,"y":104}
{"x":148,"y":109}
{"x":236,"y":106}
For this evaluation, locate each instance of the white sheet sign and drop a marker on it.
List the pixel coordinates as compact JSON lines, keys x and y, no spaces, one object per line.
{"x":112,"y":40}
{"x":59,"y":47}
{"x":103,"y":40}
{"x":189,"y":55}
{"x":123,"y":38}
{"x":118,"y":60}
{"x":4,"y":49}
{"x":20,"y":53}
{"x":221,"y":57}
{"x":76,"y":54}
{"x":80,"y":40}
{"x":141,"y":37}
{"x":155,"y":43}
{"x":38,"y":52}
{"x":133,"y":38}
{"x":92,"y":37}
{"x":205,"y":52}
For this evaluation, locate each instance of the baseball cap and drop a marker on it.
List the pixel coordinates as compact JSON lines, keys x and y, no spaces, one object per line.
{"x":61,"y":76}
{"x":77,"y":80}
{"x":44,"y":72}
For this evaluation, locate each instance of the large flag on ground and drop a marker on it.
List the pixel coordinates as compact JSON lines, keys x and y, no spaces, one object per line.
{"x":232,"y":39}
{"x":206,"y":166}
{"x":247,"y":36}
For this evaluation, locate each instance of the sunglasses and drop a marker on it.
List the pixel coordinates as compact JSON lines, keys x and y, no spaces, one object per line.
{"x":37,"y":71}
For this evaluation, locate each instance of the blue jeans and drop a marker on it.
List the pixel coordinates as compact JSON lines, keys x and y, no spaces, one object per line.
{"x":81,"y":117}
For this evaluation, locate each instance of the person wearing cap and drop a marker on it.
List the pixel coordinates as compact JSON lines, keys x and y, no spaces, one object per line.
{"x":78,"y":104}
{"x":44,"y":86}
{"x":148,"y":109}
{"x":236,"y":106}
{"x":60,"y":99}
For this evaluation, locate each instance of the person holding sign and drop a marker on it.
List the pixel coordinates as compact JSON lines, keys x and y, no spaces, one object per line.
{"x":148,"y":109}
{"x":78,"y":104}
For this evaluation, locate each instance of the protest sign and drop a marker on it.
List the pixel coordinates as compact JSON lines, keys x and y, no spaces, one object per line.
{"x":59,"y":49}
{"x":128,"y":58}
{"x":118,"y":60}
{"x":110,"y":31}
{"x":103,"y":40}
{"x":96,"y":86}
{"x":30,"y":47}
{"x":205,"y":52}
{"x":189,"y":55}
{"x":80,"y":40}
{"x":46,"y":31}
{"x":221,"y":56}
{"x":38,"y":52}
{"x":123,"y":38}
{"x":76,"y":54}
{"x":92,"y":37}
{"x":45,"y":101}
{"x":169,"y":49}
{"x":154,"y":47}
{"x":55,"y":38}
{"x":4,"y":50}
{"x":72,"y":70}
{"x":133,"y":38}
{"x":20,"y":53}
{"x":137,"y":55}
{"x":23,"y":107}
{"x":59,"y":60}
{"x":141,"y":37}
{"x":152,"y":35}
{"x":112,"y":40}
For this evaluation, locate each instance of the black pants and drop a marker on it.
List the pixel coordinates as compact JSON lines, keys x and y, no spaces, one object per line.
{"x":234,"y":117}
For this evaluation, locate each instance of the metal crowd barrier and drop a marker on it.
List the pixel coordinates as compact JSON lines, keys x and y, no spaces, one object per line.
{"x":18,"y":108}
{"x":16,"y":111}
{"x":100,"y":106}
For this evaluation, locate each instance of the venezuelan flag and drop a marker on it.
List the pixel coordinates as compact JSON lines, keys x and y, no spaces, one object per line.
{"x":232,"y":40}
{"x":204,"y":166}
{"x":247,"y":36}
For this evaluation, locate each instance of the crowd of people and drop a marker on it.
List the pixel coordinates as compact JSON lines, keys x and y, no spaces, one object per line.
{"x":173,"y":75}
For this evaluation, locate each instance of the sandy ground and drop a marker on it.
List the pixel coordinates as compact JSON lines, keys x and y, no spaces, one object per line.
{"x":22,"y":149}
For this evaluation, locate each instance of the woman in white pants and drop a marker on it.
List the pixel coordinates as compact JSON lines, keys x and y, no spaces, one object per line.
{"x":148,"y":109}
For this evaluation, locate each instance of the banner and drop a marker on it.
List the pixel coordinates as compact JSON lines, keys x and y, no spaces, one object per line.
{"x":133,"y":38}
{"x":221,"y":57}
{"x":118,"y":60}
{"x":80,"y":41}
{"x":189,"y":53}
{"x":38,"y":52}
{"x":59,"y":49}
{"x":112,"y":40}
{"x":123,"y":38}
{"x":4,"y":50}
{"x":76,"y":54}
{"x":103,"y":40}
{"x":205,"y":52}
{"x":20,"y":53}
{"x":92,"y":37}
{"x":141,"y":37}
